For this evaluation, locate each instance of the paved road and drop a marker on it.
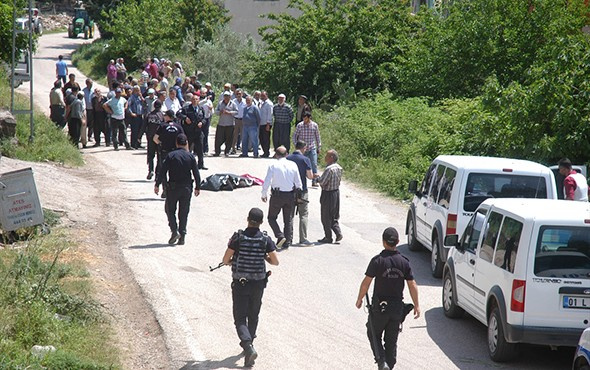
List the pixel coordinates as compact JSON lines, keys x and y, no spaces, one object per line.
{"x":308,"y":318}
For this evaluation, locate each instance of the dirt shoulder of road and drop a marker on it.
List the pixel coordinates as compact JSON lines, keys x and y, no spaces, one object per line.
{"x":85,"y":195}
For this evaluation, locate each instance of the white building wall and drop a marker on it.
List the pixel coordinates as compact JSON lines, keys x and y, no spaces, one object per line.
{"x":246,"y":14}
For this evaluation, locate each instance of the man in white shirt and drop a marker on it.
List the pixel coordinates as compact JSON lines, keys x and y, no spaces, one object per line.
{"x":240,"y":103}
{"x":265,"y":123}
{"x":172,"y":102}
{"x":282,"y":177}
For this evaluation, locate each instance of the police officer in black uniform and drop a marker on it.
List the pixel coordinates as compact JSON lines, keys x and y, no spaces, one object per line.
{"x":165,"y":138}
{"x":191,"y":116}
{"x":153,"y":121}
{"x":178,"y":165}
{"x":246,"y":252}
{"x":390,"y":269}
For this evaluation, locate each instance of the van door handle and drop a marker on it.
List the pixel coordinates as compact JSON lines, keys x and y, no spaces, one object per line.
{"x":472,"y":262}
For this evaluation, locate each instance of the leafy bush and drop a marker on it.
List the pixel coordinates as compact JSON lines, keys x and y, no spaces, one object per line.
{"x":50,"y":144}
{"x":385,"y":142}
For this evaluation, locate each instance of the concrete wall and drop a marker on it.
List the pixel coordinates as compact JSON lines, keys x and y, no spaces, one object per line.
{"x":245,"y":14}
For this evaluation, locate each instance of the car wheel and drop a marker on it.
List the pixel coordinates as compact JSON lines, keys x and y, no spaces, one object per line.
{"x":499,"y":349}
{"x":449,"y":298}
{"x":436,"y":263}
{"x":581,"y":364}
{"x":413,"y":243}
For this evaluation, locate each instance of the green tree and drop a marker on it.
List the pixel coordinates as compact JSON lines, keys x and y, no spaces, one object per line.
{"x":202,"y":17}
{"x":353,"y":42}
{"x":6,"y":28}
{"x":454,"y":55}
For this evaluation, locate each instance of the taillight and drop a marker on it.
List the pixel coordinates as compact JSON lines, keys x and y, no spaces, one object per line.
{"x":451,"y":224}
{"x":518,"y":291}
{"x":506,"y":169}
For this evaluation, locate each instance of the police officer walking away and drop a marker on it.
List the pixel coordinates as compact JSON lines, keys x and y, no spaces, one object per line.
{"x":246,"y":252}
{"x":390,"y":269}
{"x":154,"y":120}
{"x":178,"y":165}
{"x":282,"y":177}
{"x":165,"y":138}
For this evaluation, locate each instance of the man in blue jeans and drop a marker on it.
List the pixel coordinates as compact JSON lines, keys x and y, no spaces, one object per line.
{"x":308,"y":132}
{"x":250,"y":123}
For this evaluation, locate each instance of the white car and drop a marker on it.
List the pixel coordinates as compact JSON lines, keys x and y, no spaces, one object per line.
{"x":582,"y":357}
{"x":455,"y":185}
{"x":522,"y":267}
{"x":22,"y":23}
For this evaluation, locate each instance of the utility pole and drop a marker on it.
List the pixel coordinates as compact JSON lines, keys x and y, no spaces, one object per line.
{"x":20,"y":73}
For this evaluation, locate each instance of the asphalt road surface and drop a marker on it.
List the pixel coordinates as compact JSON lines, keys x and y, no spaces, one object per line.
{"x":308,"y":318}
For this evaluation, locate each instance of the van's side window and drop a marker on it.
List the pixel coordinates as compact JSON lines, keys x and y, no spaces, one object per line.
{"x":428,"y":180}
{"x":473,"y":230}
{"x":492,"y":231}
{"x":446,"y":186}
{"x":436,"y":182}
{"x":508,"y":244}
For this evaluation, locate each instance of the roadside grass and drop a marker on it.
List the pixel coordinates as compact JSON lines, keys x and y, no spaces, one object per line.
{"x":92,"y":60}
{"x":50,"y":143}
{"x":46,"y":299}
{"x":55,"y":30}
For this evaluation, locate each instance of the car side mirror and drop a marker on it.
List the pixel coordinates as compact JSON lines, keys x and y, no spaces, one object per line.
{"x":413,"y":186}
{"x":452,"y":241}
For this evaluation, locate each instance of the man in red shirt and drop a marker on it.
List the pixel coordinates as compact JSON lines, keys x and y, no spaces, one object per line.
{"x":575,"y":185}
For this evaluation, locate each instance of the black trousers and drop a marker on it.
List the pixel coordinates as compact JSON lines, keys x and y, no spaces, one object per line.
{"x":247,"y":300}
{"x":330,"y":211}
{"x":264,"y":139}
{"x":152,"y":151}
{"x":90,"y":118}
{"x":178,"y":195}
{"x":58,"y":113}
{"x":223,"y":135}
{"x":281,"y":135}
{"x":101,"y":125}
{"x":205,"y":130}
{"x":74,"y":126}
{"x":196,"y":147}
{"x":388,"y":324}
{"x":119,"y":133}
{"x":282,"y":202}
{"x":136,"y":123}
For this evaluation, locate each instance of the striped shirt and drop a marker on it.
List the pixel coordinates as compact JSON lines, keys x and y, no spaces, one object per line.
{"x":283,"y":114}
{"x":330,"y":179}
{"x":310,"y":133}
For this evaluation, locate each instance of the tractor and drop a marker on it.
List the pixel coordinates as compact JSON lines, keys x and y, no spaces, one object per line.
{"x":81,"y":23}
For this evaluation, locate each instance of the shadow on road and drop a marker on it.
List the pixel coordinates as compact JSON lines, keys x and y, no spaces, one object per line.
{"x":420,"y":262}
{"x":228,"y":363}
{"x":138,"y":180}
{"x":146,"y":199}
{"x":151,"y":246}
{"x":464,"y":342}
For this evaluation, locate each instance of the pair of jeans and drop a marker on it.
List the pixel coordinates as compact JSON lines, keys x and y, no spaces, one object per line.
{"x":312,"y":154}
{"x":387,"y":323}
{"x":136,"y":123}
{"x":250,"y":140}
{"x":264,"y":138}
{"x":247,"y":301}
{"x":74,"y":127}
{"x":119,"y":133}
{"x":205,"y":131}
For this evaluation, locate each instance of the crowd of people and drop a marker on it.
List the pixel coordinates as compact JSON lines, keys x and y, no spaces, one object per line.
{"x":174,"y":112}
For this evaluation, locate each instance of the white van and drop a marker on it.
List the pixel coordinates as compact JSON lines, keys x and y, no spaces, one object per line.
{"x":454,"y":186}
{"x":522,"y":267}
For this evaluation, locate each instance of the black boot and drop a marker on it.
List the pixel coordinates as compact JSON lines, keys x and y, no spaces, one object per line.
{"x":174,"y":237}
{"x":250,"y":355}
{"x":181,"y":240}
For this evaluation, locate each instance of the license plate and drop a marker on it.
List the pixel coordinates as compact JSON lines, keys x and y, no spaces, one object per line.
{"x":576,"y":302}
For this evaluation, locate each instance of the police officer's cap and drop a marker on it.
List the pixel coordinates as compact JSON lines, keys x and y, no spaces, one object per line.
{"x":256,"y":215}
{"x":157,"y":104}
{"x":390,"y":235}
{"x":169,"y":113}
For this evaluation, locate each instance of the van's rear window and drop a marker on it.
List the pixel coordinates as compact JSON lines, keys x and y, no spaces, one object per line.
{"x":563,"y":252}
{"x":481,"y":186}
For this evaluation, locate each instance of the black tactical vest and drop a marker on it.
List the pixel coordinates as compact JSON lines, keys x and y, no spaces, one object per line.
{"x":249,"y":263}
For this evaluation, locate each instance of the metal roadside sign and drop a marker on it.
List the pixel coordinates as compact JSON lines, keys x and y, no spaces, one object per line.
{"x":19,"y":201}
